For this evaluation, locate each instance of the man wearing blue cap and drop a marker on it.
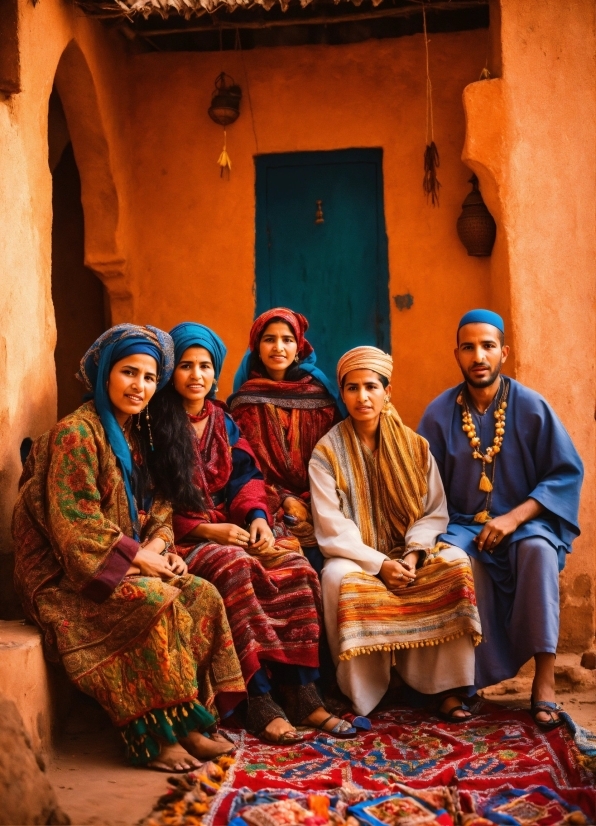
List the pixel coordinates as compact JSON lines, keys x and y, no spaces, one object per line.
{"x":512,"y":478}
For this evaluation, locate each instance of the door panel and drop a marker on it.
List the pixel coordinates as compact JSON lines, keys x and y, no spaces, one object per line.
{"x":335,"y":272}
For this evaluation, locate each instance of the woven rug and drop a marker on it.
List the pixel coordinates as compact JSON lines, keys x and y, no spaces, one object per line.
{"x":498,"y":749}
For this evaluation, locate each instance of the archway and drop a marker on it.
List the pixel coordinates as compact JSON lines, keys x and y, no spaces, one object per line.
{"x":77,"y":293}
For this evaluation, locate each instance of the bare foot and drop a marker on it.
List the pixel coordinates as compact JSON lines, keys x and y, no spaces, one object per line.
{"x":206,"y":748}
{"x":450,"y":703}
{"x":280,"y":731}
{"x":174,"y":759}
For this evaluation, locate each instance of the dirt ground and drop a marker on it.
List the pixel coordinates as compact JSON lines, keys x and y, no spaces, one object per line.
{"x":97,"y":788}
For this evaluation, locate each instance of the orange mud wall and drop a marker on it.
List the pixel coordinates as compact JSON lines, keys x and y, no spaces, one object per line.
{"x":530,"y":139}
{"x":87,"y":72}
{"x":192,"y":252}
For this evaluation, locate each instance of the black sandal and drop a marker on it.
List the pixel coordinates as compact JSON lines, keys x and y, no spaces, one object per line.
{"x":537,"y":706}
{"x":302,"y":700}
{"x":450,"y":716}
{"x":261,"y":711}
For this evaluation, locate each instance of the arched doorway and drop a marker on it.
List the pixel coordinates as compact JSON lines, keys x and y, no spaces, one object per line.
{"x":80,"y":305}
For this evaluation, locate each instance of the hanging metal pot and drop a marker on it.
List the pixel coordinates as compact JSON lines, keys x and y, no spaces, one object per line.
{"x":225,"y":101}
{"x":476,"y":226}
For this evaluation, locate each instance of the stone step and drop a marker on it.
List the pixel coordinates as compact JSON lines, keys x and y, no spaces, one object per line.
{"x":40,"y":690}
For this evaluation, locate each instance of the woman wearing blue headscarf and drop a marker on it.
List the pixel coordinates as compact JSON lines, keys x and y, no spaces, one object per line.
{"x":271,"y":593}
{"x":93,"y":565}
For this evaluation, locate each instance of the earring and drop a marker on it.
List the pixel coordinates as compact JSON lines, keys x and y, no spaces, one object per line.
{"x":214,"y":389}
{"x":138,"y":422}
{"x":296,"y":359}
{"x":387,"y":399}
{"x":148,"y":420}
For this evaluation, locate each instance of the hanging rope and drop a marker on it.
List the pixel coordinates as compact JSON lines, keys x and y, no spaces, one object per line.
{"x":430,"y":182}
{"x":238,"y":45}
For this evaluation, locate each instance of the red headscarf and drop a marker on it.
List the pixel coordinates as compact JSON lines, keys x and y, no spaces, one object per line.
{"x":297,"y":323}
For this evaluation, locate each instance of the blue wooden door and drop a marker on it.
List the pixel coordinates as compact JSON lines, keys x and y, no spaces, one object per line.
{"x":333,"y":271}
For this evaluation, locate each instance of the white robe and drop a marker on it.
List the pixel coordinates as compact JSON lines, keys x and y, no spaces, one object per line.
{"x":365,"y":678}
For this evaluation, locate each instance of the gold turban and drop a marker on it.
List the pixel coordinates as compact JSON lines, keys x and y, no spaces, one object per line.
{"x":365,"y":358}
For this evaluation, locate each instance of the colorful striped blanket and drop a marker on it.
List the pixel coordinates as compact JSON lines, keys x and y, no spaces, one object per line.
{"x":439,"y":606}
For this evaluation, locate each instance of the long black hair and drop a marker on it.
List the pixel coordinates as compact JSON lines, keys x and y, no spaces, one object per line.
{"x":172,"y":460}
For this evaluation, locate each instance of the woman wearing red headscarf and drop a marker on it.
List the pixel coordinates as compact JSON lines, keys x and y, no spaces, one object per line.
{"x":283,"y":405}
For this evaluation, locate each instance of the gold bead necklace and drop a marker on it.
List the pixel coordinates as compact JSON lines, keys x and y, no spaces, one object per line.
{"x":489,"y":456}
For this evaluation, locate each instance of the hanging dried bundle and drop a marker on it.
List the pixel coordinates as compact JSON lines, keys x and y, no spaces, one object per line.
{"x":431,"y":183}
{"x":224,"y":159}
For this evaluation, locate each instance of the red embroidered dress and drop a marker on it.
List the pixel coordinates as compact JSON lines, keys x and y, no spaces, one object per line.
{"x":283,"y":421}
{"x":272,"y":599}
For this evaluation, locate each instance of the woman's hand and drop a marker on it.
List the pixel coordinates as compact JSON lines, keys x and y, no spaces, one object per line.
{"x":177,"y":565}
{"x":150,"y":563}
{"x":261,"y":536}
{"x":156,"y":545}
{"x":396,"y":575}
{"x":223,"y":534}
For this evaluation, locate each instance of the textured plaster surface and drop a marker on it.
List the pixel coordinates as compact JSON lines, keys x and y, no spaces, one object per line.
{"x":530,"y":138}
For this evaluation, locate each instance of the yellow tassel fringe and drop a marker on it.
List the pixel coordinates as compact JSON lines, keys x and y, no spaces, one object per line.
{"x":368,"y":649}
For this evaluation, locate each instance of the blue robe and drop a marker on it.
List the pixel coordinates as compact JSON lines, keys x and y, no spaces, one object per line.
{"x":538,"y":461}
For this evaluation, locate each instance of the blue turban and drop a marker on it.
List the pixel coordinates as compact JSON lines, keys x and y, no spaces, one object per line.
{"x":483,"y":317}
{"x":115,"y":344}
{"x":188,"y":334}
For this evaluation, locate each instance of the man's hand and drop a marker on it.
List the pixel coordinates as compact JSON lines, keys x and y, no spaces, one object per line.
{"x":501,"y":526}
{"x":261,"y":536}
{"x":396,"y":575}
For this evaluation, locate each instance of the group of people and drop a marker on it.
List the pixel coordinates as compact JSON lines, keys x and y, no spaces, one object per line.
{"x":188,"y":559}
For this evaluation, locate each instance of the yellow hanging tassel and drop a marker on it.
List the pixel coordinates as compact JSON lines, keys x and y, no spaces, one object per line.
{"x":485,"y":483}
{"x":224,"y":159}
{"x":482,"y":517}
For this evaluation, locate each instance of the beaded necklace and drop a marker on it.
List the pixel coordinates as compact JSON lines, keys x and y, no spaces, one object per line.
{"x":489,"y":456}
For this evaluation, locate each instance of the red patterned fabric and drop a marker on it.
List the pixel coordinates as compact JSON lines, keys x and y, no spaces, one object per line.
{"x":499,"y":748}
{"x":283,"y":421}
{"x":272,"y":599}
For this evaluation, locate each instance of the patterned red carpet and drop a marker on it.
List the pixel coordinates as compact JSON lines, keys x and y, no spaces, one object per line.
{"x":498,"y":749}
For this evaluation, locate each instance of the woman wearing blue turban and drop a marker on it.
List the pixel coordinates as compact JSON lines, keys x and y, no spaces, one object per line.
{"x":89,"y":519}
{"x":271,"y":592}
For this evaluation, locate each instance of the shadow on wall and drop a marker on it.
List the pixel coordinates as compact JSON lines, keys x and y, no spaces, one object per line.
{"x":78,"y":295}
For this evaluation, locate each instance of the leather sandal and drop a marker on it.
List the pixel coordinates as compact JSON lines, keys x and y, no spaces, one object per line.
{"x":451,"y":717}
{"x":537,"y":706}
{"x":303,"y":700}
{"x":342,"y":729}
{"x":261,"y":711}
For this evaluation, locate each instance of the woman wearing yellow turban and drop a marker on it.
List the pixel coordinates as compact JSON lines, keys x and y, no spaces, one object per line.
{"x":391,"y":594}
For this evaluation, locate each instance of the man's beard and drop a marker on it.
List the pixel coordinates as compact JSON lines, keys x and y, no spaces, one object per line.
{"x":478,"y":384}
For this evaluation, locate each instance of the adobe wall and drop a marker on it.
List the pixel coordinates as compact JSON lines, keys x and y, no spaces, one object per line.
{"x":192,"y":242}
{"x":27,"y":329}
{"x":530,"y":138}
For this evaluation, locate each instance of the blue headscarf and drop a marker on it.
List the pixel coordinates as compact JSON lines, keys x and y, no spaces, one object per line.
{"x":189,"y":334}
{"x":115,"y":344}
{"x":482,"y":317}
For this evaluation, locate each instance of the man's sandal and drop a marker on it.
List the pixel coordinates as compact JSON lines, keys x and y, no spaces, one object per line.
{"x":538,"y":706}
{"x":451,"y":717}
{"x":261,"y":711}
{"x":302,"y":700}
